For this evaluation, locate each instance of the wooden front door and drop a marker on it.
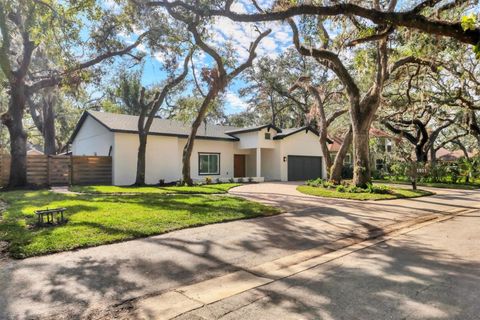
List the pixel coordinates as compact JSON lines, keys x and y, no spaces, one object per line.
{"x":239,"y":166}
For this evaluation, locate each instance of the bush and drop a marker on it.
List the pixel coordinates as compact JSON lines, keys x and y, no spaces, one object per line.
{"x":250,"y":179}
{"x":240,"y":180}
{"x":315,"y":183}
{"x":381,"y":189}
{"x":231,"y":180}
{"x":218,"y":180}
{"x":341,"y":188}
{"x":354,"y":189}
{"x":208,"y":180}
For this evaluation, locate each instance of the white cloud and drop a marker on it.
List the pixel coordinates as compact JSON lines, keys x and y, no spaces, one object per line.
{"x":235,"y":103}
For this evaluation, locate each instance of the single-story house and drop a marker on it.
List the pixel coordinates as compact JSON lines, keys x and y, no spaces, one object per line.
{"x":262,"y":152}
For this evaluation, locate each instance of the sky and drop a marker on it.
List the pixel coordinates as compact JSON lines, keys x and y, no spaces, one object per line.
{"x":240,"y":35}
{"x":223,"y":31}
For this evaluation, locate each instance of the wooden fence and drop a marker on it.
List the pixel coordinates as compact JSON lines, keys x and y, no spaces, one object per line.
{"x":61,"y":170}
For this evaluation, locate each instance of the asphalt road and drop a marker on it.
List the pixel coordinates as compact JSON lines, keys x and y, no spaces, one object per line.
{"x":430,"y":273}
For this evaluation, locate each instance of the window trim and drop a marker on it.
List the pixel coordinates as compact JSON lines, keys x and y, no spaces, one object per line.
{"x":349,"y":162}
{"x":219,"y":167}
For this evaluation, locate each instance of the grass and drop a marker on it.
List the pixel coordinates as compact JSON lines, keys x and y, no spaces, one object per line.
{"x":395,"y":193}
{"x":463,"y":186}
{"x":203,"y":189}
{"x":99,"y":219}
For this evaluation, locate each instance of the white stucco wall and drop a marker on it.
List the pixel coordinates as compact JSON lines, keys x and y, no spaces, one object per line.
{"x":271,"y":163}
{"x":164,"y":154}
{"x":92,"y":139}
{"x":161,"y":159}
{"x":301,"y":144}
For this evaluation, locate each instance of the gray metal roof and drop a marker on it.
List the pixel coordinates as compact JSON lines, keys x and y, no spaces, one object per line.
{"x":128,"y":123}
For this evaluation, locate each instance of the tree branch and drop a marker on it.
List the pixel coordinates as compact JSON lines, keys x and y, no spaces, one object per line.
{"x":406,"y":19}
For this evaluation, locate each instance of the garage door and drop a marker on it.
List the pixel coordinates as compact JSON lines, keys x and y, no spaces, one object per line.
{"x":304,"y":168}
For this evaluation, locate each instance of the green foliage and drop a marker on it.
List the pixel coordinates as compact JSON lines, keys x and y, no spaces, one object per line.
{"x":469,"y":22}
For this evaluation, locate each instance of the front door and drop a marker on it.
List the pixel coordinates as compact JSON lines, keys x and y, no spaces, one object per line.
{"x":239,"y":166}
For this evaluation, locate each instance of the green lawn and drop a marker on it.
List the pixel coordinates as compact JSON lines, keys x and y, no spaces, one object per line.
{"x":396,"y":193}
{"x":100,"y":219}
{"x":203,"y":189}
{"x":471,"y":186}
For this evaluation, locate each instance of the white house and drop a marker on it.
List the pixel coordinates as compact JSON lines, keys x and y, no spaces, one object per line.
{"x":224,"y":152}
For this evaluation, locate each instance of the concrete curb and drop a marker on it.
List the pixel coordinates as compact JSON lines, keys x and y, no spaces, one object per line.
{"x":188,"y":298}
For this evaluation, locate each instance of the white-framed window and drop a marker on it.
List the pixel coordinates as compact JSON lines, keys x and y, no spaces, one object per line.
{"x":347,"y":159}
{"x":208,"y":163}
{"x":268,"y":136}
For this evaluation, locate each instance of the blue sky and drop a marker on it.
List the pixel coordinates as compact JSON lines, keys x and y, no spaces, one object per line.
{"x":225,"y":30}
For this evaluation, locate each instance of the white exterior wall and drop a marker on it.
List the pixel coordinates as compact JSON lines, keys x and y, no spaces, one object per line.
{"x":92,"y":139}
{"x":225,"y":148}
{"x":164,"y":153}
{"x":300,"y":144}
{"x":271,"y":163}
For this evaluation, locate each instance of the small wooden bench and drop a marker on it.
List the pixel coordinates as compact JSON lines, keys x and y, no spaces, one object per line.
{"x":51,"y":215}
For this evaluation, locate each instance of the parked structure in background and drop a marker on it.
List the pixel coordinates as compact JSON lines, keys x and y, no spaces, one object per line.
{"x":220,"y":152}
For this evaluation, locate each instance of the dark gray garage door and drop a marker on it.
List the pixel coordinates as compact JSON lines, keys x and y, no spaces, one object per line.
{"x":304,"y":168}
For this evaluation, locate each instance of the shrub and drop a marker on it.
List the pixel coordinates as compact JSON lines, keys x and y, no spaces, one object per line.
{"x":208,"y":180}
{"x":231,"y":180}
{"x":398,"y":170}
{"x":354,"y":189}
{"x":315,"y":183}
{"x":161,"y":182}
{"x":250,"y":179}
{"x":328,"y":184}
{"x":180,"y":183}
{"x":240,"y":180}
{"x":218,"y":180}
{"x":341,"y":188}
{"x":381,"y":189}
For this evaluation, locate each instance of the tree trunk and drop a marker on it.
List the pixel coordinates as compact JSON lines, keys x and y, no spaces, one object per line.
{"x":142,"y":150}
{"x":361,"y":149}
{"x":187,"y":150}
{"x":433,"y":155}
{"x":420,"y":154}
{"x":336,"y":171}
{"x":49,"y":127}
{"x":12,"y":119}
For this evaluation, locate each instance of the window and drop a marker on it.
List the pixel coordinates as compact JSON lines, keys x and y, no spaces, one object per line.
{"x":267,"y":136}
{"x":379,"y":164}
{"x":208,"y":163}
{"x":347,"y":159}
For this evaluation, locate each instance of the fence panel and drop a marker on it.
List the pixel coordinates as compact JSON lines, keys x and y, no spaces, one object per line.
{"x":61,"y":170}
{"x":91,"y":170}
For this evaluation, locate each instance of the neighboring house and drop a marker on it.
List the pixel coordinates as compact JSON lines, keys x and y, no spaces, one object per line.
{"x":33,"y":150}
{"x":264,"y":152}
{"x":447,"y":155}
{"x":381,"y":147}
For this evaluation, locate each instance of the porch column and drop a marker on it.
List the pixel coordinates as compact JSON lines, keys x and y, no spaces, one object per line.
{"x":259,"y":162}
